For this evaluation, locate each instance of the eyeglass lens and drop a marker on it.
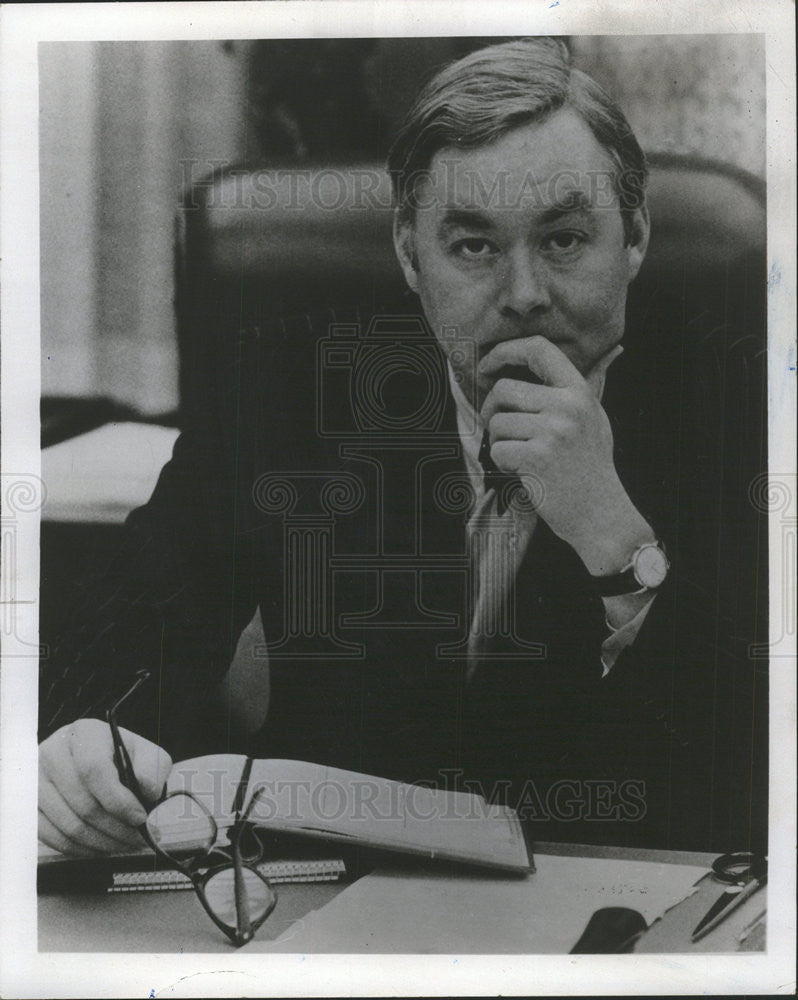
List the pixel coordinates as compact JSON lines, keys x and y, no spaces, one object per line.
{"x":180,"y":823}
{"x":220,"y":894}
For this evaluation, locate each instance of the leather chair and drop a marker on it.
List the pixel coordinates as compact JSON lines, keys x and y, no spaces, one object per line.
{"x":253,"y":243}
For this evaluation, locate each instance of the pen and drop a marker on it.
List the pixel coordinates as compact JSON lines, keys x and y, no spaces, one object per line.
{"x":750,"y":925}
{"x":707,"y":925}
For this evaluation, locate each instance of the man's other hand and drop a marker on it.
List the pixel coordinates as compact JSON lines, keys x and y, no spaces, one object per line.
{"x":83,"y":806}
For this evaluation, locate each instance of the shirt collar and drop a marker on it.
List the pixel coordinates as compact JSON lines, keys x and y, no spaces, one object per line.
{"x":469,"y":426}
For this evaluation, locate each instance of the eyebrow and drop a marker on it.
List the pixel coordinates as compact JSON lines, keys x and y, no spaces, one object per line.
{"x":574,"y":201}
{"x":466,"y":219}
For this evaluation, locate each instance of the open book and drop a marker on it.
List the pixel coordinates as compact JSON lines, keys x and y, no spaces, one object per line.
{"x":317,"y":801}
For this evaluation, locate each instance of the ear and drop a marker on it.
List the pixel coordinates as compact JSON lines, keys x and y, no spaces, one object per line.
{"x":404,"y":243}
{"x":638,"y":244}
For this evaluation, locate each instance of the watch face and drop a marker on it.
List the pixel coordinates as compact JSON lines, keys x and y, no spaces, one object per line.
{"x":651,"y":566}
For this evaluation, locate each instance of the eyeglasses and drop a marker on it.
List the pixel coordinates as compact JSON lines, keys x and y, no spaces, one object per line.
{"x":181,"y":830}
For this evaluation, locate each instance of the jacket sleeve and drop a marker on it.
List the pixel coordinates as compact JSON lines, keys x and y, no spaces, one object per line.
{"x":690,"y":694}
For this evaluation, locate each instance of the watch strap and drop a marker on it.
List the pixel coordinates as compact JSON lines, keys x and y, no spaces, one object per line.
{"x":616,"y":584}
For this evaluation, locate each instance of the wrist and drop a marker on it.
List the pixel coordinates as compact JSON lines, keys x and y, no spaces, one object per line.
{"x":607,"y":548}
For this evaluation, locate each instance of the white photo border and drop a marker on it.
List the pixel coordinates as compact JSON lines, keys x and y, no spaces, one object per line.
{"x":27,"y":973}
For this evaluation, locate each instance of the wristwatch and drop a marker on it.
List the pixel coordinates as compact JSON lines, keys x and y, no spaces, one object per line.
{"x":646,"y":571}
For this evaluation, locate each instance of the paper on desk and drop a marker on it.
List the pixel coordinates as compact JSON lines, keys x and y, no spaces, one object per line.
{"x":545,"y":913}
{"x":104,"y":474}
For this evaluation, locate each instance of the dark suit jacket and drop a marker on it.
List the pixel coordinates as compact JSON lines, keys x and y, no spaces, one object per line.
{"x":321,"y":483}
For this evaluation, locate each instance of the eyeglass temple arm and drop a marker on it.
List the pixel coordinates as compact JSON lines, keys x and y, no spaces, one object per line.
{"x":243,"y":787}
{"x":243,"y":921}
{"x":122,"y":761}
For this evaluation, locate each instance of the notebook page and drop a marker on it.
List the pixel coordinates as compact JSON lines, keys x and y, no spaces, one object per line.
{"x":393,"y":912}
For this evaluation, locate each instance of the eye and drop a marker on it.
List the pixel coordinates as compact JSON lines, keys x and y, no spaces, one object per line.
{"x":473,"y":248}
{"x":564,"y":240}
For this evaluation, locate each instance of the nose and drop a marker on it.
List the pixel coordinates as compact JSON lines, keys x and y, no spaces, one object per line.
{"x":524,"y":287}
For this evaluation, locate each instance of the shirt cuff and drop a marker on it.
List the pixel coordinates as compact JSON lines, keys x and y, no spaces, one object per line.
{"x":620,"y":638}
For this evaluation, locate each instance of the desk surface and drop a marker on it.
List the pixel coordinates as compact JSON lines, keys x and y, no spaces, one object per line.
{"x":174,"y":921}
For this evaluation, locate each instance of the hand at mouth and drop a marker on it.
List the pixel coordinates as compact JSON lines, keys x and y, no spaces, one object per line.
{"x":508,"y":359}
{"x":520,"y":359}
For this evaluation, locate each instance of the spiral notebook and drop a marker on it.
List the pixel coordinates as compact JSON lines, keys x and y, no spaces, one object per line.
{"x":327,"y":870}
{"x":137,"y":873}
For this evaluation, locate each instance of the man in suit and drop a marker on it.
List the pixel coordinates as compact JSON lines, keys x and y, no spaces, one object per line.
{"x":486,"y":545}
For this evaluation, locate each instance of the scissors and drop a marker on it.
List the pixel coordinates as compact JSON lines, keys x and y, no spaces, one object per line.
{"x":744,"y":873}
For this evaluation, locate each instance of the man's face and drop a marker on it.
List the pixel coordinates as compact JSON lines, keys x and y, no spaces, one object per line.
{"x":521,"y":237}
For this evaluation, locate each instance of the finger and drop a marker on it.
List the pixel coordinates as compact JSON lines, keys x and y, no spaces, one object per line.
{"x":151,"y":764}
{"x":79,"y":755}
{"x":73,"y":827}
{"x":503,"y":354}
{"x":512,"y":426}
{"x":93,"y":761}
{"x":507,"y":354}
{"x":510,"y":395}
{"x":597,"y":375}
{"x":543,"y":358}
{"x":549,"y":362}
{"x":510,"y":456}
{"x":53,"y":837}
{"x":84,"y":805}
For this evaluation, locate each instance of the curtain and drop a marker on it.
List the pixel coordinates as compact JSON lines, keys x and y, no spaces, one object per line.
{"x":697,"y":94}
{"x":123,"y":125}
